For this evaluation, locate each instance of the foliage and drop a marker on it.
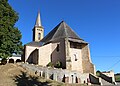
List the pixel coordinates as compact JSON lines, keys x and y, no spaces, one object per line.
{"x":98,"y":73}
{"x":117,"y":77}
{"x":58,"y":64}
{"x":50,"y":64}
{"x":10,"y":36}
{"x":3,"y":61}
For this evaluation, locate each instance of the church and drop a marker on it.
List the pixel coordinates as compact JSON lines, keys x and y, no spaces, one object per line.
{"x":62,"y":45}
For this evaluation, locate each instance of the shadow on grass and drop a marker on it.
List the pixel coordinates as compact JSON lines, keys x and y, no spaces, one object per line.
{"x":27,"y":80}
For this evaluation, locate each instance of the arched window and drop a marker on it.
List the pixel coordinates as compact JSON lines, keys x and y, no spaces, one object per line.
{"x":39,"y":36}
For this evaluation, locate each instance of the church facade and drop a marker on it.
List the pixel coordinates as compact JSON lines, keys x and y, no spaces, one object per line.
{"x":62,"y":45}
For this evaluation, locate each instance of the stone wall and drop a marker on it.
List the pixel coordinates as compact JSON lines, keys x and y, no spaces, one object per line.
{"x":35,"y":56}
{"x":76,"y":59}
{"x":45,"y":54}
{"x":60,"y":75}
{"x":67,"y":54}
{"x":52,"y":52}
{"x":15,"y":58}
{"x":108,"y":76}
{"x":28,"y":51}
{"x":94,"y":79}
{"x":58,"y":52}
{"x":88,"y":67}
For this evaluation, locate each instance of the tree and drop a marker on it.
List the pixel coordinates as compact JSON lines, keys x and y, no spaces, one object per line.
{"x":10,"y":36}
{"x":98,"y":73}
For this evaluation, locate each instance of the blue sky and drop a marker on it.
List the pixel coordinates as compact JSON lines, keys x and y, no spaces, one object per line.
{"x":96,"y":21}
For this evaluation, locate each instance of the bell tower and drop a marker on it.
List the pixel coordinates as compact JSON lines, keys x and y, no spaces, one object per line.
{"x":38,"y":31}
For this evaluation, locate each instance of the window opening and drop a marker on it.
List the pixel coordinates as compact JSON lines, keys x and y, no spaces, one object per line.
{"x":58,"y":47}
{"x":75,"y":57}
{"x":39,"y":36}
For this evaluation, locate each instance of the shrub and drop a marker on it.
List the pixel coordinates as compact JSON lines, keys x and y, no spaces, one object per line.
{"x":18,"y":60}
{"x":98,"y":73}
{"x":58,"y":64}
{"x":3,"y":61}
{"x":11,"y":60}
{"x":50,"y":64}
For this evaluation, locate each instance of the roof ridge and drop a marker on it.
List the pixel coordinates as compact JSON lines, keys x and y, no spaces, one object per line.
{"x":62,"y":30}
{"x":65,"y":29}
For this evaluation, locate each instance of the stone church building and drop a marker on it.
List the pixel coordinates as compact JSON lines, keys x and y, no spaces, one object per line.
{"x":61,"y":44}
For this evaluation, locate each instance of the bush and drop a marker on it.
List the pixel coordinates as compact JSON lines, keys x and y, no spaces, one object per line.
{"x":58,"y":64}
{"x":50,"y":64}
{"x":18,"y":60}
{"x":11,"y":60}
{"x":98,"y":73}
{"x":117,"y":78}
{"x":3,"y":61}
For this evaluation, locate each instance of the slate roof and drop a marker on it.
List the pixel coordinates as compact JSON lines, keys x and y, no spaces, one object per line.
{"x":34,"y":43}
{"x":62,"y":30}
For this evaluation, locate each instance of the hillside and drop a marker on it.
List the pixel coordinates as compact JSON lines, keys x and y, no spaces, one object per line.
{"x":14,"y":75}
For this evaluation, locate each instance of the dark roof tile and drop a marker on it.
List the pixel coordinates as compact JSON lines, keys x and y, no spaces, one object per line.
{"x":62,"y":30}
{"x":34,"y":43}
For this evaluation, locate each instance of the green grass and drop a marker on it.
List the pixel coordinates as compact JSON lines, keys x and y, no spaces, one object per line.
{"x":117,"y":77}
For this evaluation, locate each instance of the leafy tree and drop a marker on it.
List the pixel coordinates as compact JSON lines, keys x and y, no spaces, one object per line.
{"x":98,"y":73}
{"x":10,"y":36}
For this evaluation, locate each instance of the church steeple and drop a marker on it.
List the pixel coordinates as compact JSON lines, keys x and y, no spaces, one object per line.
{"x":38,"y":20}
{"x":38,"y":31}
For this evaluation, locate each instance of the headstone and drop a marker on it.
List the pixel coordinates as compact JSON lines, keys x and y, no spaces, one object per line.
{"x":55,"y":76}
{"x":66,"y":79}
{"x":46,"y":75}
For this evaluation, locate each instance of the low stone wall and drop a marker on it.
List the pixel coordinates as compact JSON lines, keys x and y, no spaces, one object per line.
{"x":61,"y":75}
{"x":110,"y":74}
{"x":109,"y":79}
{"x":95,"y":80}
{"x":85,"y":78}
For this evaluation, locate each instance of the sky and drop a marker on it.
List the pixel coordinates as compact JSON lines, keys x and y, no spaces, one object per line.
{"x":95,"y":21}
